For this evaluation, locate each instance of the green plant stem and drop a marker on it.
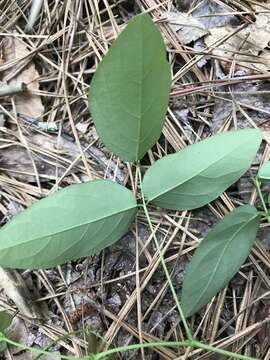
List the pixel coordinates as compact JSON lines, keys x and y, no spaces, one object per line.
{"x":177,"y":344}
{"x":102,"y":355}
{"x":258,"y":188}
{"x":25,"y":347}
{"x":163,"y":263}
{"x":186,"y":343}
{"x":199,"y":345}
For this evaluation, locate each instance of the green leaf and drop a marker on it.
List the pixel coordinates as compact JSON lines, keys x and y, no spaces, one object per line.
{"x":5,"y":321}
{"x":198,"y":174}
{"x":130,"y":90}
{"x":218,"y":257}
{"x":77,"y":221}
{"x":264,"y":172}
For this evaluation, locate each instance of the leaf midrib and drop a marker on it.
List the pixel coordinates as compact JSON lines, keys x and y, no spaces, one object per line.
{"x":53,"y":263}
{"x":220,"y":258}
{"x":73,"y":227}
{"x":140,"y":93}
{"x":196,"y":174}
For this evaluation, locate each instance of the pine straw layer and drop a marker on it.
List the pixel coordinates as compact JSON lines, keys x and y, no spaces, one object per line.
{"x":124,"y":297}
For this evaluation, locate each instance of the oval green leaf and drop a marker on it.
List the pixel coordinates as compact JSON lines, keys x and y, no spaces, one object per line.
{"x":77,"y":221}
{"x":198,"y":174}
{"x":264,"y":172}
{"x":218,"y":257}
{"x":130,"y":90}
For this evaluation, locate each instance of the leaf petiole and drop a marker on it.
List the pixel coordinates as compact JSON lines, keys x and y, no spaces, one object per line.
{"x":257,"y":184}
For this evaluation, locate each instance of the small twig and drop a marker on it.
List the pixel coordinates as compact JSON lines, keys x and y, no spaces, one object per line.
{"x":34,"y":13}
{"x":12,"y":89}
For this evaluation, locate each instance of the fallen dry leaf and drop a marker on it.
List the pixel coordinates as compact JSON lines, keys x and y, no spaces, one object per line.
{"x":16,"y":289}
{"x":23,"y":334}
{"x":213,"y":13}
{"x":19,"y":333}
{"x":15,"y":160}
{"x":248,"y":47}
{"x":246,"y":96}
{"x":187,"y":27}
{"x":27,"y":103}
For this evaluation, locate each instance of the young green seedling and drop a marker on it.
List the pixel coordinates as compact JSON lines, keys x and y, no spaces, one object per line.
{"x":128,"y":101}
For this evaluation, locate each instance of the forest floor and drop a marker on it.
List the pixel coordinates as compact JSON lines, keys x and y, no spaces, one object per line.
{"x":220,"y":61}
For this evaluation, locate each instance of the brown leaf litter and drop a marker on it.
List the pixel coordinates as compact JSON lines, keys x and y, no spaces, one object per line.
{"x":22,"y":69}
{"x":247,"y":48}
